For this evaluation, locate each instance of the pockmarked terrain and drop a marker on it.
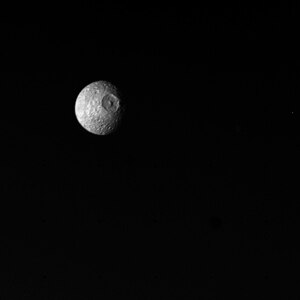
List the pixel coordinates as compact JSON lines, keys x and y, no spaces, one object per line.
{"x":98,"y":108}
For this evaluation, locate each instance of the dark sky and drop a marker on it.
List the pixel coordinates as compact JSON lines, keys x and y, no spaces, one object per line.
{"x":194,"y":196}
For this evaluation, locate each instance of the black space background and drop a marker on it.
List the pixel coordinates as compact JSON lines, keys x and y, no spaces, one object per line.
{"x":195,"y":197}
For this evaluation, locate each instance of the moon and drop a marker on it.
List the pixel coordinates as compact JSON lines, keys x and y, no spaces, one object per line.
{"x":99,"y":108}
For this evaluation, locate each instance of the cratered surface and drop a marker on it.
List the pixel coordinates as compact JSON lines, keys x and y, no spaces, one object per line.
{"x":98,"y":108}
